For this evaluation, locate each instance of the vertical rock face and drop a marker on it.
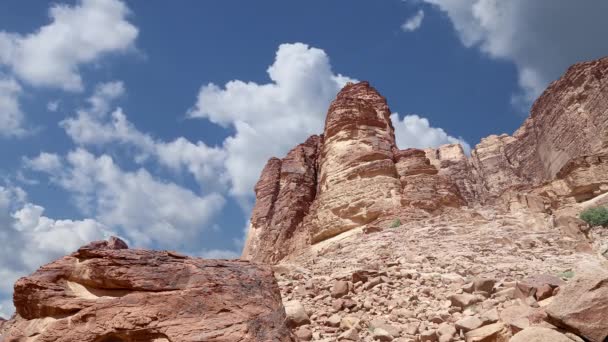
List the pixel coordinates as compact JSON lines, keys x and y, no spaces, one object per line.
{"x":569,"y":120}
{"x":283,"y":196}
{"x":103,"y":294}
{"x":355,"y":175}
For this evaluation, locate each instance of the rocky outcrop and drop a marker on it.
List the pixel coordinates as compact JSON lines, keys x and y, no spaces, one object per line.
{"x":357,"y":179}
{"x":105,"y":292}
{"x":354,"y":175}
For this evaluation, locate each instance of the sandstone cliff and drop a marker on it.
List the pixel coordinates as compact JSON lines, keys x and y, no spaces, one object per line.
{"x":353,"y":175}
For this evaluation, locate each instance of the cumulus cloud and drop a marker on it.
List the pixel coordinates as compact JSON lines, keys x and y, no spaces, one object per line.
{"x":99,"y":125}
{"x":31,"y":239}
{"x":271,"y":118}
{"x":76,"y":35}
{"x":11,"y":116}
{"x":414,"y":22}
{"x":415,"y":131}
{"x":47,"y":162}
{"x":542,"y":37}
{"x":146,"y":210}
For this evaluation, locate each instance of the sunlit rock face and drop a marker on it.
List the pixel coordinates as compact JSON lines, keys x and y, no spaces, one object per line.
{"x":358,"y":179}
{"x":107,"y":292}
{"x":353,"y":175}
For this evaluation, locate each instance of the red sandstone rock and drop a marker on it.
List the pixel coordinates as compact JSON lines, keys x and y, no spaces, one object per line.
{"x":357,"y":177}
{"x":283,"y":196}
{"x":101,"y":293}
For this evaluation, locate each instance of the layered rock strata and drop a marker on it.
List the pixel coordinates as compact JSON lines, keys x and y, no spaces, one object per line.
{"x":105,"y":292}
{"x":354,"y":175}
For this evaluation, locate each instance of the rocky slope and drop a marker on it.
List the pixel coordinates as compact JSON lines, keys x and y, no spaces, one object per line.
{"x":105,"y":292}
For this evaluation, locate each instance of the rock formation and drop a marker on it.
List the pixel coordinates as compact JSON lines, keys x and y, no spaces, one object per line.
{"x":353,"y":175}
{"x":373,"y":243}
{"x":105,"y":292}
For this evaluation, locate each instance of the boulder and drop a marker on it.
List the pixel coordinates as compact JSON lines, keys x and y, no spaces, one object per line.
{"x":582,"y":305}
{"x":539,"y":334}
{"x":130,"y":295}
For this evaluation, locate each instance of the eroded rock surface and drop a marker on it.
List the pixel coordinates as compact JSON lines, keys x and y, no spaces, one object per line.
{"x":354,"y":175}
{"x":105,"y":292}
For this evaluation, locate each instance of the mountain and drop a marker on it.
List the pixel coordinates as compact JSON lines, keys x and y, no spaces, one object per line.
{"x":354,"y":175}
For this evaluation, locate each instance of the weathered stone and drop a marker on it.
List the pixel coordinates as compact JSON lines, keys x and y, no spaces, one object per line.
{"x":304,"y":334}
{"x":284,"y":194}
{"x":142,"y":295}
{"x":468,"y":323}
{"x":463,"y":300}
{"x":582,"y":305}
{"x":296,"y":314}
{"x":496,"y":332}
{"x":340,"y":289}
{"x":539,"y":334}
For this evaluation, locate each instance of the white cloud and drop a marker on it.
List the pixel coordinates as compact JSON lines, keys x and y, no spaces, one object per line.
{"x":31,"y":239}
{"x":11,"y":116}
{"x":98,"y":126}
{"x":542,"y":37}
{"x":47,"y":162}
{"x":413,"y":23}
{"x":145,"y":209}
{"x":76,"y":35}
{"x":415,"y":131}
{"x":270,"y":118}
{"x":53,"y":106}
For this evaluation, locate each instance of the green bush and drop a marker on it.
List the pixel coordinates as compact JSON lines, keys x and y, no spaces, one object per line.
{"x":595,"y":216}
{"x":396,"y":223}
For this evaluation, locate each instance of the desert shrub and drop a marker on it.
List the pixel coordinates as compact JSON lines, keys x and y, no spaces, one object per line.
{"x":595,"y":216}
{"x":396,"y":223}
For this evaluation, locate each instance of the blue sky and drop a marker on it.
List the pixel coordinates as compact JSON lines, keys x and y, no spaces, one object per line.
{"x":152,"y":121}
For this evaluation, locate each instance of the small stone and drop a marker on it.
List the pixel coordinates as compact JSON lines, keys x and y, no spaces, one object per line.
{"x":428,"y":336}
{"x":296,"y":314}
{"x":304,"y":334}
{"x":349,"y":335}
{"x":333,"y":321}
{"x":468,"y":323}
{"x":463,"y":300}
{"x":340,"y":289}
{"x":380,"y":334}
